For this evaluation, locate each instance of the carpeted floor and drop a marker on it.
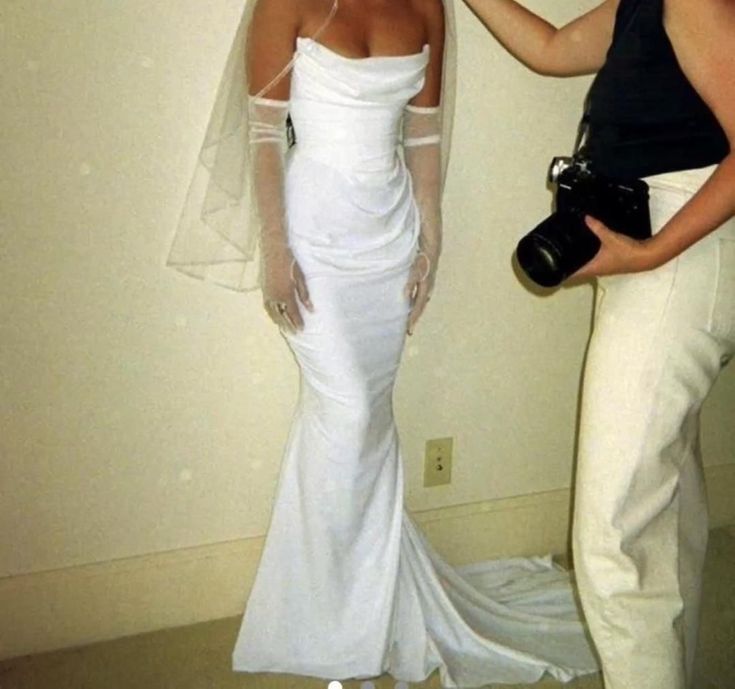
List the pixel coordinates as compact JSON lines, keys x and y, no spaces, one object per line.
{"x":198,"y":657}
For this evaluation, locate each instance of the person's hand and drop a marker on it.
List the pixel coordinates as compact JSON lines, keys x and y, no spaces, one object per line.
{"x":618,"y":254}
{"x":419,"y":287}
{"x":284,"y":283}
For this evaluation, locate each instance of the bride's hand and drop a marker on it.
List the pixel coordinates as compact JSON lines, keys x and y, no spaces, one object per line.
{"x":419,"y":287}
{"x":284,"y":284}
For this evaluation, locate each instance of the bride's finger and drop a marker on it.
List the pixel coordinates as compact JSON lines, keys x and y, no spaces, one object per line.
{"x":292,"y":315}
{"x":422,"y":298}
{"x":285,"y":314}
{"x":274,"y":314}
{"x":288,"y":322}
{"x":413,"y":281}
{"x":303,"y":292}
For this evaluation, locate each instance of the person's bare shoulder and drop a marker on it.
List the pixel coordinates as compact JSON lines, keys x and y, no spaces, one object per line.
{"x":702,"y":33}
{"x":432,"y":10}
{"x":719,"y":11}
{"x":271,"y":42}
{"x":272,"y":13}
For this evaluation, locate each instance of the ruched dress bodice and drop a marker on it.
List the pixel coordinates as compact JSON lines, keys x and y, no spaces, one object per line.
{"x":348,"y":193}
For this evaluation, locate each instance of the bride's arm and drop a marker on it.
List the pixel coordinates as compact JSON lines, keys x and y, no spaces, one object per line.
{"x":433,"y":13}
{"x":271,"y":42}
{"x":422,"y":153}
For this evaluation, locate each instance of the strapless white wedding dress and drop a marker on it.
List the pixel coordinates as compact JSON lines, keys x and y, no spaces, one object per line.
{"x":347,"y":586}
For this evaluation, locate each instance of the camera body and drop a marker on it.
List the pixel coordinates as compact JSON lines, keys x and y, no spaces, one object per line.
{"x":563,"y":243}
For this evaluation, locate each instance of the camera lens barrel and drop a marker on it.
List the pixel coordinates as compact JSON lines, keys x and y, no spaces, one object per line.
{"x":557,"y":248}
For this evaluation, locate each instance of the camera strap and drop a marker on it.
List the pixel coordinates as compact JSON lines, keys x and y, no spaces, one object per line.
{"x":582,"y":131}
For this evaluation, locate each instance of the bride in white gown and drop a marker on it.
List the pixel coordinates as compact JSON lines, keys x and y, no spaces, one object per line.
{"x":350,"y":236}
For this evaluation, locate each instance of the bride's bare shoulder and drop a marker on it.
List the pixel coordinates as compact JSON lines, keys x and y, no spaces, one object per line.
{"x":433,"y":13}
{"x":279,"y":12}
{"x":429,"y":8}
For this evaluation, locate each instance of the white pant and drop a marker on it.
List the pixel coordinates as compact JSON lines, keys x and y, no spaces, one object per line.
{"x":659,"y":341}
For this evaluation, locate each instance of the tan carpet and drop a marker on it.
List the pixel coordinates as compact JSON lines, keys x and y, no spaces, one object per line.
{"x":198,"y":657}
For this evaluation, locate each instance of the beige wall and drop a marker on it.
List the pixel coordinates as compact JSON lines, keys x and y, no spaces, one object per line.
{"x":145,"y":412}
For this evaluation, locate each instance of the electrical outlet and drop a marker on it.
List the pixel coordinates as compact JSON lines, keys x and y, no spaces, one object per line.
{"x":438,"y":462}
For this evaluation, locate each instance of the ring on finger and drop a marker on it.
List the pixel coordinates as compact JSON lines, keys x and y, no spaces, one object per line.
{"x":278,"y":306}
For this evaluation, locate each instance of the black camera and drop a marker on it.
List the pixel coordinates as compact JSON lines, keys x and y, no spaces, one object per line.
{"x":563,"y":243}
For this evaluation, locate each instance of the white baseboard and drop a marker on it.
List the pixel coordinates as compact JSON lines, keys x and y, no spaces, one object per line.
{"x":81,"y":605}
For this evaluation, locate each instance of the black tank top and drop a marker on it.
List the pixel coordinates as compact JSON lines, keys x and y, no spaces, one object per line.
{"x":644,"y":116}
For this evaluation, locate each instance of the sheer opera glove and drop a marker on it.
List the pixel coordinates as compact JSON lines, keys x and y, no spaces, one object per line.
{"x":283,"y":280}
{"x":422,"y":153}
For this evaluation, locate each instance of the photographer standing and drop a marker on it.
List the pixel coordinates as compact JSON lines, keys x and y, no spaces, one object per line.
{"x":662,"y":108}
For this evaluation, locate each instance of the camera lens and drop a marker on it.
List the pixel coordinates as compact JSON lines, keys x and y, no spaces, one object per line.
{"x":556,"y":248}
{"x":540,"y":260}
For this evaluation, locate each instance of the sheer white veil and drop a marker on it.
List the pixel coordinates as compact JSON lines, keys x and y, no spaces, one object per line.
{"x":216,"y":238}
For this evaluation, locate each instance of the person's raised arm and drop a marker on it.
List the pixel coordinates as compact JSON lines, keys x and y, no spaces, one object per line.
{"x":702,"y":33}
{"x":577,"y":48}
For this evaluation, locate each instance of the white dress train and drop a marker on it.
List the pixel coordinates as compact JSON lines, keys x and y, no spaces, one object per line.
{"x":347,"y":586}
